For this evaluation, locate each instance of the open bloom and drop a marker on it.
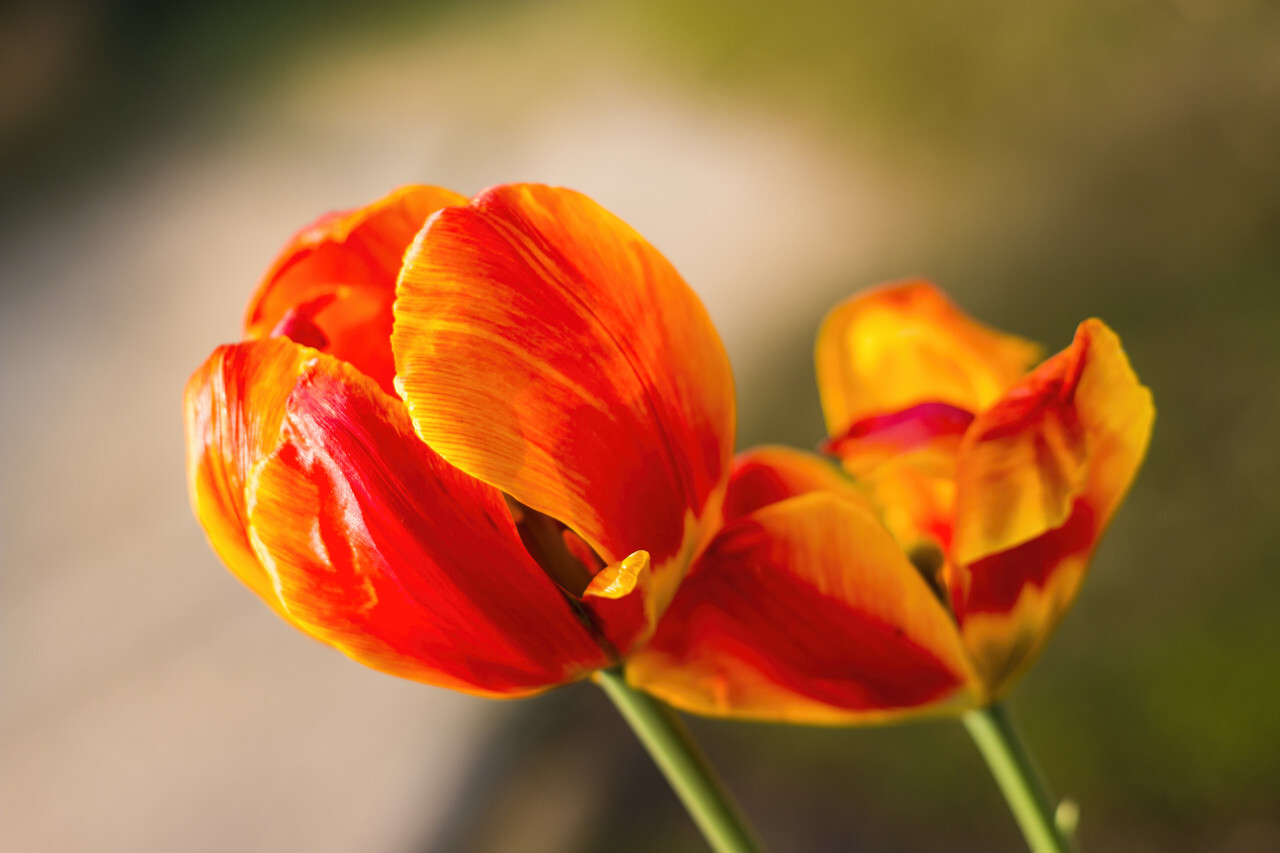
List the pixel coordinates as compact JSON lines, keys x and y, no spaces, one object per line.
{"x":473,"y":443}
{"x":930,"y":579}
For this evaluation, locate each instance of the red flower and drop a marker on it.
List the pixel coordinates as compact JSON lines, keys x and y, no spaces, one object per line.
{"x":935,"y":577}
{"x":503,"y":493}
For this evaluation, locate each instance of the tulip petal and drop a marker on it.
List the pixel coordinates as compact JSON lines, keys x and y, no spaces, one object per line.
{"x":333,"y":285}
{"x":769,"y":474}
{"x":544,"y":347}
{"x":904,"y":344}
{"x":233,"y":408}
{"x":805,"y":611}
{"x":906,"y":461}
{"x":377,"y":546}
{"x":1039,"y":477}
{"x":870,"y":442}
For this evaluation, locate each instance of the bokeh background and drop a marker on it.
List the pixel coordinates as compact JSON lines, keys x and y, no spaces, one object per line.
{"x":1043,"y":161}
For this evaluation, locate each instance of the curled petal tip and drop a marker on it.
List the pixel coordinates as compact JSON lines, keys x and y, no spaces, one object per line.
{"x":333,"y":285}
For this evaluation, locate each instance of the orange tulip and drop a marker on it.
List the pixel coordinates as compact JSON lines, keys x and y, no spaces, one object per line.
{"x":477,"y":444}
{"x":930,"y":579}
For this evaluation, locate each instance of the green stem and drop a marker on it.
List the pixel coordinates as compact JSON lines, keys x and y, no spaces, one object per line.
{"x":1020,"y":780}
{"x":673,"y":749}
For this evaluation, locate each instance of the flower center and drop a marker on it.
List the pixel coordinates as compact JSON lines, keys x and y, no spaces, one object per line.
{"x":929,"y":560}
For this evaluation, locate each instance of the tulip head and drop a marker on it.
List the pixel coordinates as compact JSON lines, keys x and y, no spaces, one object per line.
{"x":459,"y":443}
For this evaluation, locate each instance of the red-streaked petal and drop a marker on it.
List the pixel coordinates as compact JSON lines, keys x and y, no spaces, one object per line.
{"x":544,"y":347}
{"x":1024,"y":462}
{"x":897,"y":346}
{"x":806,"y":611}
{"x":380,"y":548}
{"x":333,"y":285}
{"x":906,"y":462}
{"x":769,"y":474}
{"x":870,"y":442}
{"x":233,"y":408}
{"x":1040,"y":476}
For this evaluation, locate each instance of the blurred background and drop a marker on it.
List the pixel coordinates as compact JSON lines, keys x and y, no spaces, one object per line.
{"x":1045,"y":162}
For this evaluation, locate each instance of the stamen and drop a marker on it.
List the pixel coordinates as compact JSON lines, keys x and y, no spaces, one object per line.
{"x":621,"y":578}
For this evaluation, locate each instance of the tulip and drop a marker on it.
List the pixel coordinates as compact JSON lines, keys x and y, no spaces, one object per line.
{"x":475,"y":443}
{"x":926,"y":573}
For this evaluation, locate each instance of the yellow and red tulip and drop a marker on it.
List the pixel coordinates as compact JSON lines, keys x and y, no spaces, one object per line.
{"x":930,"y":579}
{"x":473,"y":443}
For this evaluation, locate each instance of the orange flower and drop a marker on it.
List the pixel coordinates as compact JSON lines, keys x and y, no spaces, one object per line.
{"x":930,"y":580}
{"x":502,"y":493}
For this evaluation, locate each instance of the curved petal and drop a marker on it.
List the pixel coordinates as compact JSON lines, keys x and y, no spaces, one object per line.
{"x":333,"y":285}
{"x":1039,"y":477}
{"x":233,"y":409}
{"x":870,"y":442}
{"x":377,"y":546}
{"x":904,"y":344}
{"x":805,"y":611}
{"x":769,"y":474}
{"x":545,"y":348}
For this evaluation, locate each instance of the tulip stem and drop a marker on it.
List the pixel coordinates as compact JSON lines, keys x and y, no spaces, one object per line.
{"x":1020,"y":780}
{"x":680,"y":759}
